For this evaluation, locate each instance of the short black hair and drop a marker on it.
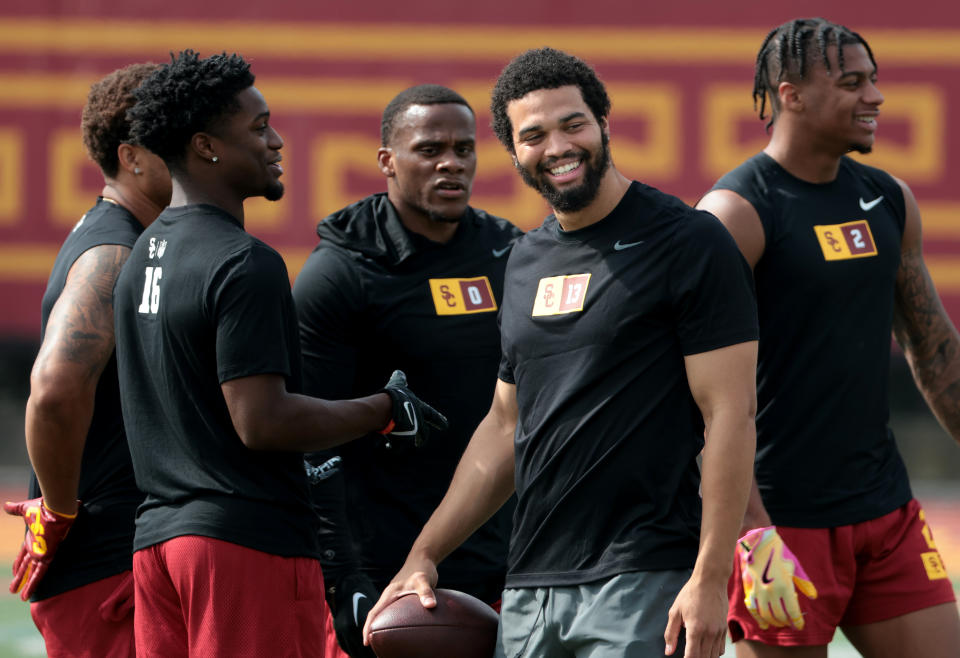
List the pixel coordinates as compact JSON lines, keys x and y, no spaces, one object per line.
{"x":420,"y":95}
{"x":104,"y":119}
{"x":789,"y":50}
{"x":544,"y":68}
{"x":185,"y":97}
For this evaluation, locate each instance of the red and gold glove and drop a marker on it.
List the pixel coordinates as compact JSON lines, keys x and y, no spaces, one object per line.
{"x":45,"y":530}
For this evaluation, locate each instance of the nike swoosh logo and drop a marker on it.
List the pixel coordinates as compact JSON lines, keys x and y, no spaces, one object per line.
{"x":356,"y":603}
{"x":765,"y":578}
{"x":868,"y":205}
{"x":497,"y":253}
{"x":412,"y":417}
{"x":620,"y":246}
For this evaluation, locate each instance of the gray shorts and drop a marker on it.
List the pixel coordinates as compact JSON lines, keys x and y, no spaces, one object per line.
{"x":620,"y":617}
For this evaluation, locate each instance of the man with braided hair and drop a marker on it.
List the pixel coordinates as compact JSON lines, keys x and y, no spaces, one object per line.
{"x":209,"y":362}
{"x":80,"y":583}
{"x":836,"y":252}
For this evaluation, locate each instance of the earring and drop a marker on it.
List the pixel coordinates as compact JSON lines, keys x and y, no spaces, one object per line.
{"x":215,"y":159}
{"x":137,"y":171}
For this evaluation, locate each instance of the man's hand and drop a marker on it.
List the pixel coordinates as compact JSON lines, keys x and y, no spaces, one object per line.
{"x":771,"y":576}
{"x":701,"y":609}
{"x":353,"y":597}
{"x":412,"y":418}
{"x":418,"y":576}
{"x":45,"y":530}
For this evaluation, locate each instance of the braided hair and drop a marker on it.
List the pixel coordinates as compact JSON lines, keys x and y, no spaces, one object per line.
{"x":789,"y":50}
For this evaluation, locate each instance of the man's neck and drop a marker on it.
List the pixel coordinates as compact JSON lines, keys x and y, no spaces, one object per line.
{"x":802,"y":156}
{"x":186,"y":192}
{"x":418,"y":222}
{"x":137,"y":203}
{"x":612,"y":188}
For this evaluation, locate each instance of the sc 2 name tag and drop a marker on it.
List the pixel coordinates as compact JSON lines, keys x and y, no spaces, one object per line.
{"x":462,"y":296}
{"x":847,"y":240}
{"x":557,"y":295}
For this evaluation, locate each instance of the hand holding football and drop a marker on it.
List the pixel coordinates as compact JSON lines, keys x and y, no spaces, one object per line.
{"x":460,"y":625}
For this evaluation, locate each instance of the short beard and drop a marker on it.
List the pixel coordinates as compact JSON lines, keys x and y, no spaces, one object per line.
{"x":274,"y":191}
{"x":434,"y":216}
{"x":576,"y":198}
{"x":862,"y":148}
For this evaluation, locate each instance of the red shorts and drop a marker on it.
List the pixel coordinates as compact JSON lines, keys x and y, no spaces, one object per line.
{"x":198,"y":596}
{"x":95,"y":620}
{"x":330,"y":639}
{"x":864,"y":573}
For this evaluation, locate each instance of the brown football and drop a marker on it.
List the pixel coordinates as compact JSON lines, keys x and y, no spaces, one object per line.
{"x":461,"y":625}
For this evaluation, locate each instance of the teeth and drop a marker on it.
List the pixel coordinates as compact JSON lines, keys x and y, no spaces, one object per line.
{"x":562,"y":169}
{"x":866,"y":119}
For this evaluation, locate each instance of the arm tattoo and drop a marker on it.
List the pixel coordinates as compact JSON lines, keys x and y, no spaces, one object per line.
{"x":929,"y":340}
{"x":84,"y":311}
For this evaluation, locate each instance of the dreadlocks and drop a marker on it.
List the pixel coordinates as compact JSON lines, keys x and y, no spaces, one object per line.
{"x":787,"y":52}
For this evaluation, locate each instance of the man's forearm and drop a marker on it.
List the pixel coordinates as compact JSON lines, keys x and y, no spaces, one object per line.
{"x":56,"y":432}
{"x":482,"y":483}
{"x":727,"y":473}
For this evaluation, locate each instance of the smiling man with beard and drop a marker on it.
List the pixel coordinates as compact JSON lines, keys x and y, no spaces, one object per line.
{"x":628,"y":331}
{"x":410,"y":278}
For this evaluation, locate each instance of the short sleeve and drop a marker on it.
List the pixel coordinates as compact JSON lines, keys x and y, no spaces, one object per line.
{"x":254,"y":315}
{"x":329,"y":299}
{"x":711,"y":288}
{"x":505,"y":371}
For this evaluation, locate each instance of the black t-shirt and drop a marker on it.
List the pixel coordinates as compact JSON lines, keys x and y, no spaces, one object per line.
{"x":373,"y":297}
{"x":595,"y":326}
{"x":100,"y":541}
{"x":201,"y":302}
{"x":825,"y":284}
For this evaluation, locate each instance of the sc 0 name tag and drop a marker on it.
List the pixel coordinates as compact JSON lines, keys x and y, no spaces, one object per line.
{"x":462,"y":296}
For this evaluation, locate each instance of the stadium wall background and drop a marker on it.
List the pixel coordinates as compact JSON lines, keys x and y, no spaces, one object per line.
{"x":679,"y":74}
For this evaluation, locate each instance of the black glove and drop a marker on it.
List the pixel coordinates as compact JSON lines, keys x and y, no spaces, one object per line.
{"x":353,"y":597}
{"x":412,"y":417}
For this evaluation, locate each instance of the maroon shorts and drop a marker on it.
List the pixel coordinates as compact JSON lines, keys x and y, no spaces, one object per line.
{"x":330,"y":640}
{"x":95,"y":620}
{"x":864,"y":573}
{"x":198,"y":596}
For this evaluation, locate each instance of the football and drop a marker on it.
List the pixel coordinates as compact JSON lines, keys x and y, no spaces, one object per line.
{"x":460,"y":625}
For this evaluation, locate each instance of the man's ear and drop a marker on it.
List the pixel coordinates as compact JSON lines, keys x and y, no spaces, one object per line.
{"x":790,"y":98}
{"x":385,"y":161}
{"x":605,"y":127}
{"x":203,"y":145}
{"x":127,"y":158}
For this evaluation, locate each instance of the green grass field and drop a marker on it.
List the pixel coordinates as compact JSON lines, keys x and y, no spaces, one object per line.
{"x":19,"y":637}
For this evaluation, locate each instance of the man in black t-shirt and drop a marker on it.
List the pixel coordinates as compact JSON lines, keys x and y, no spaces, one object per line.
{"x":209,"y":366}
{"x":836,"y":251}
{"x":411,"y":278}
{"x":80,"y":584}
{"x":628,"y":332}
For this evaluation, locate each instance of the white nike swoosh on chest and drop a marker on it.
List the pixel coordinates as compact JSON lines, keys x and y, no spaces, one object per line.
{"x":868,"y":205}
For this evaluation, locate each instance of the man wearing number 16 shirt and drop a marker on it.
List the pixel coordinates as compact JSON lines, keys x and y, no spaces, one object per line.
{"x":412,"y":277}
{"x":225,"y":555}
